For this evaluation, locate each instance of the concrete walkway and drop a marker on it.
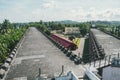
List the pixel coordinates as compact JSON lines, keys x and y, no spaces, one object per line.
{"x":110,"y":44}
{"x":38,"y":52}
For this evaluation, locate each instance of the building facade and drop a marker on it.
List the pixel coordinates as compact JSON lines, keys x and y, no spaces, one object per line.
{"x":72,"y":30}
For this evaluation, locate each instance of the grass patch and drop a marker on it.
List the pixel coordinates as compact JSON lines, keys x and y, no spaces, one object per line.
{"x":85,"y":56}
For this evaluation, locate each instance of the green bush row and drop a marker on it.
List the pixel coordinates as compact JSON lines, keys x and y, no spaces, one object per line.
{"x":8,"y":41}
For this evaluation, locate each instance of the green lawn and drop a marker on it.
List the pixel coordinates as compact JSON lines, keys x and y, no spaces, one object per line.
{"x":85,"y":56}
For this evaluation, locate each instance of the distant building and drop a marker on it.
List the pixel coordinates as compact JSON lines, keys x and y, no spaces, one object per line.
{"x":57,"y":31}
{"x":72,"y":30}
{"x":93,"y":26}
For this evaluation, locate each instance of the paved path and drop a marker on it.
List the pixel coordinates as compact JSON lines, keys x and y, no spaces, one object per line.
{"x":79,"y":51}
{"x":38,"y":52}
{"x":110,"y":44}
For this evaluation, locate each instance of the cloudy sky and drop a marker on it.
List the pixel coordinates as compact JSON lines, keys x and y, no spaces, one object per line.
{"x":51,"y":10}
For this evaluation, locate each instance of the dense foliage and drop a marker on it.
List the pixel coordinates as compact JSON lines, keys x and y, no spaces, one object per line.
{"x":71,"y":37}
{"x":50,"y":26}
{"x":85,"y":56}
{"x":9,"y":37}
{"x":113,"y":30}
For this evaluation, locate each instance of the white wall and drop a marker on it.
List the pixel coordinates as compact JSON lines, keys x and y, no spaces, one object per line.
{"x":111,"y":73}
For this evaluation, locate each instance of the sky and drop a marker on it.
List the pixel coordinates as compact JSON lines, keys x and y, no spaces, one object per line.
{"x":57,"y":10}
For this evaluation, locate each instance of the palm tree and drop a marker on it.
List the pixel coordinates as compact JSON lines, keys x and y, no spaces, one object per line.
{"x":5,"y":26}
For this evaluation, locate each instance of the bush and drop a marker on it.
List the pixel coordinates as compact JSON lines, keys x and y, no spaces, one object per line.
{"x":47,"y":32}
{"x":85,"y":56}
{"x":8,"y":41}
{"x":71,"y":37}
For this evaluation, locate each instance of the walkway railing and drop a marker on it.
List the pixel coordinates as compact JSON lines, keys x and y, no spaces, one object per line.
{"x":104,"y":62}
{"x":96,"y":52}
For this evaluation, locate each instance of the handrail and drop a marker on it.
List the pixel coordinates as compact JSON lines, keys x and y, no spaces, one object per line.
{"x":91,"y":75}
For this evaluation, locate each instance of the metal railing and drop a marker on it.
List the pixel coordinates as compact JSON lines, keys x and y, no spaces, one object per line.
{"x":104,"y":62}
{"x":95,"y":50}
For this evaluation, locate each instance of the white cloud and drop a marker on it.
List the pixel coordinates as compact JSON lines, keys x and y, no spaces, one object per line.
{"x":92,"y":13}
{"x":77,"y":14}
{"x":49,"y":4}
{"x":33,"y":10}
{"x":36,"y":11}
{"x":109,"y":13}
{"x":92,"y":9}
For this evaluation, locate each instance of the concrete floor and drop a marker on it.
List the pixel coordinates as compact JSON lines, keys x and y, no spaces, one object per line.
{"x":38,"y":52}
{"x":110,"y":44}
